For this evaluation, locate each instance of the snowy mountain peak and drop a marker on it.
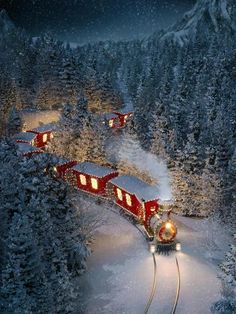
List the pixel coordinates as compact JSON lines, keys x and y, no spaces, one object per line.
{"x":6,"y":24}
{"x":206,"y":17}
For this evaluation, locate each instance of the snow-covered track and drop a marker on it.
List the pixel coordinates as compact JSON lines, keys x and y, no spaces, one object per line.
{"x":154,"y":285}
{"x":177,"y":288}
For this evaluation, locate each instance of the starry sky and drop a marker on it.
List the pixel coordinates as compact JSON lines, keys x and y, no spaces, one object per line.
{"x":82,"y":21}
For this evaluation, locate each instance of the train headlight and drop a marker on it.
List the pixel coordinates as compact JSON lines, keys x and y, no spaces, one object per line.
{"x":178,"y":247}
{"x":168,"y":225}
{"x":152,"y":248}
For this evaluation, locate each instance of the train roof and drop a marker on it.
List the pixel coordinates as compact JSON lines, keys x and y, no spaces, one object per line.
{"x":63,"y":161}
{"x":136,"y":186}
{"x":26,"y":148}
{"x":44,"y":128}
{"x":123,"y":112}
{"x":110,"y":115}
{"x":25,"y":136}
{"x":93,"y":169}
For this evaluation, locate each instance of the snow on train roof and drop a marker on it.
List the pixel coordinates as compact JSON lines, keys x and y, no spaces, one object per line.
{"x":93,"y":169}
{"x":25,"y":148}
{"x":136,"y":186}
{"x":123,"y":112}
{"x":111,"y":115}
{"x":63,"y":161}
{"x":44,"y":128}
{"x":25,"y":136}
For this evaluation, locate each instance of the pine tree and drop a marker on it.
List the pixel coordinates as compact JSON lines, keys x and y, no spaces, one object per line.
{"x":14,"y":122}
{"x":24,"y":271}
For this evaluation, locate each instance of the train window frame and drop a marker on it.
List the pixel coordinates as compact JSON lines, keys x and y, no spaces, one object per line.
{"x":128,"y":199}
{"x":119,"y":194}
{"x":82,"y":179}
{"x":45,"y":137}
{"x":94,"y":183}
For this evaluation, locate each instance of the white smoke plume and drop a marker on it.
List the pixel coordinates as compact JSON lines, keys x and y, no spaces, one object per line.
{"x":130,"y":151}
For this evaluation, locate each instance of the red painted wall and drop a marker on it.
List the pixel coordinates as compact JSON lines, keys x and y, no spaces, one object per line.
{"x":149,"y":205}
{"x":39,"y":138}
{"x":30,"y":154}
{"x":61,"y":169}
{"x":134,"y":208}
{"x":102,"y":183}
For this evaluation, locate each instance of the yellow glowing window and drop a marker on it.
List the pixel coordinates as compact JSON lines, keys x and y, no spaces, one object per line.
{"x":128,"y":199}
{"x":94,"y":183}
{"x":152,"y":208}
{"x":51,"y":136}
{"x":82,"y":179}
{"x":119,"y":194}
{"x":111,"y":122}
{"x":45,"y":137}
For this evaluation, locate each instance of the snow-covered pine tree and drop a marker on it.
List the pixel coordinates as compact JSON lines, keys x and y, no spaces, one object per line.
{"x":14,"y":122}
{"x":24,"y":272}
{"x":227,"y":304}
{"x":9,"y":201}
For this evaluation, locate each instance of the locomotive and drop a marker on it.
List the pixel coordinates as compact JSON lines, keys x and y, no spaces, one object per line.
{"x":137,"y":198}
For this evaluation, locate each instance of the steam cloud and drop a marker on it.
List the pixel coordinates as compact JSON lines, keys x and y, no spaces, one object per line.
{"x":131,"y":152}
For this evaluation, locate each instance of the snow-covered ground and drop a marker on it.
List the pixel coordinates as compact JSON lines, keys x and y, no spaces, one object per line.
{"x":120,"y":270}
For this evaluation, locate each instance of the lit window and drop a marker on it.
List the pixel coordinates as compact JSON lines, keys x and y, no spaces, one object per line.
{"x":152,"y":208}
{"x":82,"y":179}
{"x":111,"y":123}
{"x":55,"y":169}
{"x":45,"y":137}
{"x":119,"y":194}
{"x":51,"y":136}
{"x":94,"y":183}
{"x":128,"y":199}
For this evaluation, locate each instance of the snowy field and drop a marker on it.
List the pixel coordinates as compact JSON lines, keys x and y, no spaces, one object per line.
{"x":120,"y":270}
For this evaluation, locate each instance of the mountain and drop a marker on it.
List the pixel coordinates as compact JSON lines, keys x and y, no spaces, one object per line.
{"x":6,"y":25}
{"x":206,"y":18}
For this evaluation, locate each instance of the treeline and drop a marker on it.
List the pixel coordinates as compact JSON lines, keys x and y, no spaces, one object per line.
{"x":44,"y":236}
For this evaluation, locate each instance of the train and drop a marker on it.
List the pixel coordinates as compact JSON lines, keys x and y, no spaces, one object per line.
{"x":135,"y":197}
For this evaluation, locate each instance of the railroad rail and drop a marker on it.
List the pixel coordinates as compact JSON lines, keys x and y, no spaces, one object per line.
{"x":119,"y":212}
{"x":154,"y":285}
{"x":177,"y":288}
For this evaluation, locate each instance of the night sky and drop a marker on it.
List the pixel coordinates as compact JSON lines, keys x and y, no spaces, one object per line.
{"x":84,"y":21}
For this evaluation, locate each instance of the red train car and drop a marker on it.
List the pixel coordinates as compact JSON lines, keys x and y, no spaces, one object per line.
{"x":135,"y":196}
{"x":113,"y":121}
{"x":92,"y":178}
{"x":27,"y":150}
{"x":123,"y":116}
{"x":62,"y":168}
{"x":44,"y":134}
{"x":25,"y":137}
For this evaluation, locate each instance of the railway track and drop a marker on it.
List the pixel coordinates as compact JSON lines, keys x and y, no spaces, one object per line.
{"x":154,"y":287}
{"x":154,"y":284}
{"x":177,"y":287}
